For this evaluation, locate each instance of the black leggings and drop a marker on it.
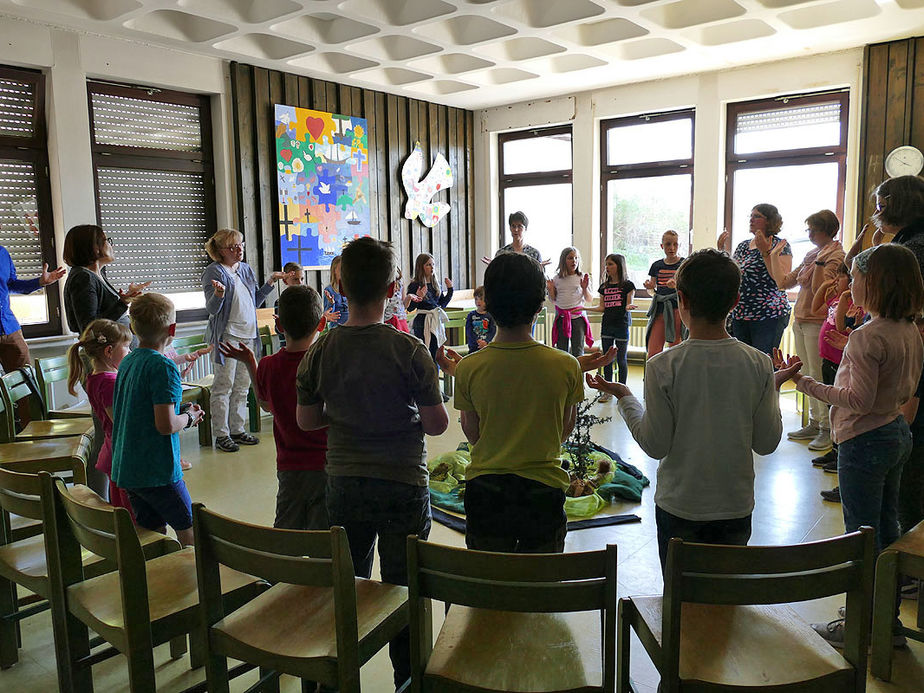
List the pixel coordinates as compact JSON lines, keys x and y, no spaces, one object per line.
{"x":622,"y":358}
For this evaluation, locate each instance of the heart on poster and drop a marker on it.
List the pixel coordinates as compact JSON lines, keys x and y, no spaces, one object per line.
{"x":286,"y":154}
{"x":315,"y":127}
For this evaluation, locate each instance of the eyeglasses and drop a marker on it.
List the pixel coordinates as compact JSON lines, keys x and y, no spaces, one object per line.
{"x":235,"y":246}
{"x":757,"y":215}
{"x":109,"y":241}
{"x":880,"y":204}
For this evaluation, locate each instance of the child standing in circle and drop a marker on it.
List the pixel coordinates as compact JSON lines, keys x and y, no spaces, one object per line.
{"x":428,"y":311}
{"x":568,"y":289}
{"x":397,"y":304}
{"x":664,"y":324}
{"x":616,"y":294}
{"x":335,"y":303}
{"x":480,"y":327}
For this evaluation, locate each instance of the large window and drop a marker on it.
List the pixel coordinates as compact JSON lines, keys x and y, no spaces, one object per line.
{"x":535,"y":178}
{"x":646,"y":178}
{"x":791,"y":152}
{"x":26,"y":228}
{"x":155,"y":191}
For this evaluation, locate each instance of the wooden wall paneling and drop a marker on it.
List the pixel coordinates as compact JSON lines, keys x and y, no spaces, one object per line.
{"x":455,"y":221}
{"x":897,"y":81}
{"x":873,"y":139}
{"x":265,"y":188}
{"x":346,"y":101}
{"x":242,"y":96}
{"x":319,"y":95}
{"x":304,"y":92}
{"x":411,"y":137}
{"x":470,"y":191}
{"x":386,"y":231}
{"x":428,"y":147}
{"x":917,"y":95}
{"x":271,"y":252}
{"x":387,"y":191}
{"x":375,"y":227}
{"x":460,"y":176}
{"x":440,"y":232}
{"x":359,"y":102}
{"x":333,"y":101}
{"x":396,"y":190}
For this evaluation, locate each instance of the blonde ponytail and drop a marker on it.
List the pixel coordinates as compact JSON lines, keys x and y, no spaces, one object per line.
{"x":98,"y":335}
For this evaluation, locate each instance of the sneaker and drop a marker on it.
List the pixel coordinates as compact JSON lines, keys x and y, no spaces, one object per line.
{"x":830,"y":467}
{"x":225,"y":444}
{"x":833,"y":632}
{"x":822,"y":441}
{"x":832,"y":496}
{"x":446,"y":397}
{"x":245,"y":439}
{"x":804,"y":433}
{"x":605,"y":397}
{"x":185,"y":465}
{"x":822,"y":460}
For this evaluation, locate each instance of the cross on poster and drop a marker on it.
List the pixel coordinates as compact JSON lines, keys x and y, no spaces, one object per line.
{"x":322,"y":180}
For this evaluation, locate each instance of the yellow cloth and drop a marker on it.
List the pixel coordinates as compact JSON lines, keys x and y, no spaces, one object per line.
{"x":520,"y":391}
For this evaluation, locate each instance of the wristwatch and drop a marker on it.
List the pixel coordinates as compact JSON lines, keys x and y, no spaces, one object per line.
{"x":189,"y":420}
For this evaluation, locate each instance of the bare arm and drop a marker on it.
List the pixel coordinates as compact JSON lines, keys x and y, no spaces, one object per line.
{"x":471,"y":426}
{"x":778,"y":265}
{"x":311,"y":417}
{"x":840,"y":314}
{"x":551,"y":287}
{"x":167,"y":421}
{"x":821,"y":296}
{"x":568,"y":422}
{"x":434,"y":420}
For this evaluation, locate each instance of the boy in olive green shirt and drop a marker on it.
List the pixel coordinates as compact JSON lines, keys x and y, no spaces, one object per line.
{"x":518,"y":400}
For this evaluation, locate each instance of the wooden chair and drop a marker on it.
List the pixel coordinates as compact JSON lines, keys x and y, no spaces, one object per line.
{"x":145,"y":603}
{"x":724,"y":623}
{"x":904,"y":557}
{"x":455,"y":332}
{"x":20,"y":386}
{"x":318,"y":622}
{"x":514,"y":622}
{"x":23,"y":560}
{"x":52,"y":370}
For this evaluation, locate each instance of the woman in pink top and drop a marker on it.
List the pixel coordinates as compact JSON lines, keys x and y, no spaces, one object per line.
{"x":104,"y":343}
{"x":878,"y":374}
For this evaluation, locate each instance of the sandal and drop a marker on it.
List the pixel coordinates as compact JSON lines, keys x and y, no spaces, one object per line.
{"x":245,"y":439}
{"x":225,"y":444}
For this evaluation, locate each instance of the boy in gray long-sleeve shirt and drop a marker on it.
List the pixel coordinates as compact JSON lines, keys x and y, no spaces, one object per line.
{"x":709,"y":402}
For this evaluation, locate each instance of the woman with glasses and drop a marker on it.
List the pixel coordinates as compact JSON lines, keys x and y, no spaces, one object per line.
{"x":232,"y":297}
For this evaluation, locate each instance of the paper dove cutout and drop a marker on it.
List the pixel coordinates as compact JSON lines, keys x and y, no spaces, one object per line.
{"x":420,"y":192}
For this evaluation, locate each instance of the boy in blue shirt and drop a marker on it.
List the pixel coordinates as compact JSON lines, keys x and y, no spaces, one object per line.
{"x":147,"y":422}
{"x":480,"y":327}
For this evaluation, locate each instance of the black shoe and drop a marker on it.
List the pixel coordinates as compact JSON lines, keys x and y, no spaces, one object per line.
{"x":225,"y":444}
{"x":830,"y":467}
{"x":245,"y":439}
{"x":832,"y":496}
{"x":822,"y":460}
{"x":446,"y":397}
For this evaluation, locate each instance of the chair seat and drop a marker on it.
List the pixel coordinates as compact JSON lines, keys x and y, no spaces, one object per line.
{"x":540,"y":652}
{"x":38,"y":450}
{"x":297,"y":621}
{"x":56,"y":428}
{"x":78,"y":412}
{"x":23,"y":527}
{"x":205,"y":382}
{"x":911,"y":542}
{"x":760,"y":646}
{"x":172,"y":592}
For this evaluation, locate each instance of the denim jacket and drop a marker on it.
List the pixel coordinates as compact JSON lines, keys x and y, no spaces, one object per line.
{"x":219,"y":307}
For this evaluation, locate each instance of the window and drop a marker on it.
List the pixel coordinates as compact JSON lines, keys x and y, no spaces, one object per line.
{"x":26,"y":226}
{"x":155,"y":191}
{"x":535,"y":178}
{"x":789,"y":151}
{"x":646,"y":179}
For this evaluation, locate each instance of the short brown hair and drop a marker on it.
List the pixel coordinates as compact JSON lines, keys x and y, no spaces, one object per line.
{"x":152,"y":315}
{"x":292,"y":267}
{"x":300,"y":311}
{"x":367,"y":267}
{"x":220,"y":240}
{"x":670,"y":232}
{"x":478,"y":293}
{"x":709,"y":281}
{"x":825,"y":222}
{"x":83,"y":244}
{"x":904,"y":201}
{"x":772,"y":215}
{"x":894,"y":288}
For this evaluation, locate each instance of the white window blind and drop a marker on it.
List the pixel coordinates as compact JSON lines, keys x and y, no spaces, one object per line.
{"x":128,"y":122}
{"x":790,"y":117}
{"x":17,"y":108}
{"x":19,"y":229}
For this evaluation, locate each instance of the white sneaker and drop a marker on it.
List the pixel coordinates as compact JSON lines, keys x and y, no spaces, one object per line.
{"x":822,"y":441}
{"x":804,"y":433}
{"x":605,"y":397}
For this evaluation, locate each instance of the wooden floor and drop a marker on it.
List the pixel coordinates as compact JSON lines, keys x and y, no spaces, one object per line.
{"x":244,"y":485}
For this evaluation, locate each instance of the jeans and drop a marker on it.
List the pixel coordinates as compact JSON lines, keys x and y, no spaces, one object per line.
{"x":869,"y":471}
{"x":576,"y":346}
{"x":763,"y":335}
{"x":622,"y":358}
{"x":736,"y":531}
{"x":369,"y":508}
{"x":512,"y":514}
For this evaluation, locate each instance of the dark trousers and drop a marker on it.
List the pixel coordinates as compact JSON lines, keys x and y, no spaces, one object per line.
{"x":828,"y":371}
{"x":369,"y":508}
{"x":417,"y":327}
{"x":301,"y":501}
{"x":622,"y":358}
{"x":764,"y":335}
{"x":736,"y":531}
{"x":575,"y":346}
{"x":508,"y":513}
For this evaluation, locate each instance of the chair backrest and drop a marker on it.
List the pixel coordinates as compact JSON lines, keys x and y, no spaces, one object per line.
{"x":266,"y":340}
{"x":20,"y":490}
{"x":49,"y":371}
{"x":189,"y":343}
{"x":754,"y":575}
{"x":7,"y":419}
{"x":317,"y":558}
{"x":21,"y":384}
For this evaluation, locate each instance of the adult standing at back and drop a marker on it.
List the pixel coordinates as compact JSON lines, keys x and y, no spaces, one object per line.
{"x":763,"y":309}
{"x":820,"y":265}
{"x":518,"y":222}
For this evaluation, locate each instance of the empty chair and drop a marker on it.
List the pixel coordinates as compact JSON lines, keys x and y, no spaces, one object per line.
{"x":724,"y":624}
{"x":144,"y":604}
{"x":19,"y":388}
{"x":53,"y":370}
{"x":318,"y":622}
{"x":515,"y":622}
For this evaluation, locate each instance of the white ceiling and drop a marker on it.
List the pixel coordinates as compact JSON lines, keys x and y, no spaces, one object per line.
{"x":480,"y":53}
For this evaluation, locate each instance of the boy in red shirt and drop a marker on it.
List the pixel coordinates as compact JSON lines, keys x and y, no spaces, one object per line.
{"x":300,"y":455}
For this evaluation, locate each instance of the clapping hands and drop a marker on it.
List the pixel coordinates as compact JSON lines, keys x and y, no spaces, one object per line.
{"x":448,"y":359}
{"x":786,"y":368}
{"x":596,"y":381}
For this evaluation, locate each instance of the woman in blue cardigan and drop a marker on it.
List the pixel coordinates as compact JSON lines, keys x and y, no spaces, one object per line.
{"x":232,"y":297}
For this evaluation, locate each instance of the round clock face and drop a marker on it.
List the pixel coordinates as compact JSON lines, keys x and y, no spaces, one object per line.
{"x":904,"y":161}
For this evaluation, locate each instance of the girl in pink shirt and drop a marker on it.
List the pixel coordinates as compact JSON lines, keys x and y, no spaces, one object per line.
{"x":878,"y":374}
{"x":104,"y":343}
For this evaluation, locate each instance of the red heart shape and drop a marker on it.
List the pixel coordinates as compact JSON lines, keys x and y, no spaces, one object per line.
{"x":286,"y":154}
{"x":315,"y":127}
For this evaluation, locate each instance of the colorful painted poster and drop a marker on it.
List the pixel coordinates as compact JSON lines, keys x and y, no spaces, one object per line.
{"x":322,"y":178}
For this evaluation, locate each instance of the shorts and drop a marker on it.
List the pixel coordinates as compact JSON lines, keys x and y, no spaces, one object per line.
{"x":158,"y":506}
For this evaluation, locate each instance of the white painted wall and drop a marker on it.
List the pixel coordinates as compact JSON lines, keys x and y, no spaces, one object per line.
{"x":708,"y":93}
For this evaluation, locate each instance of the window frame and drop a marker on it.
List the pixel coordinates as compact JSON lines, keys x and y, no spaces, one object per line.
{"x":522,"y":180}
{"x":786,"y":157}
{"x":150,"y":159}
{"x":648,"y":169}
{"x":34,"y":150}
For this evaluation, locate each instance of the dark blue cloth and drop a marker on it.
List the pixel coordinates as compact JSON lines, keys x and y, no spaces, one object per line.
{"x":9,"y":284}
{"x":432,"y":300}
{"x":338,"y":305}
{"x":763,"y":335}
{"x":159,"y":506}
{"x":479,"y":326}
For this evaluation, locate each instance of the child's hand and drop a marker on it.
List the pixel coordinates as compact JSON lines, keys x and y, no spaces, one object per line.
{"x":846,"y":296}
{"x":591,"y":362}
{"x":448,"y":359}
{"x":329,"y":296}
{"x":788,"y":370}
{"x":671,"y":283}
{"x":482,"y":344}
{"x":545,"y":263}
{"x":585,"y":281}
{"x":240,"y":353}
{"x":219,"y":288}
{"x":778,"y":359}
{"x":422,"y":292}
{"x":485,"y":259}
{"x":448,"y":282}
{"x":631,"y":306}
{"x":837,"y":339}
{"x":276,"y":276}
{"x":331,"y":316}
{"x":197,"y":414}
{"x":550,"y":285}
{"x":649,"y":284}
{"x":618,"y":390}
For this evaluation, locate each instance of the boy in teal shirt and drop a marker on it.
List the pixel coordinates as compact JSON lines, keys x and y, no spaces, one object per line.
{"x":147,"y":422}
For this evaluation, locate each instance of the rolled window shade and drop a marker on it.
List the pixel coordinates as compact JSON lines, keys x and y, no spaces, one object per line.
{"x":19,"y":217}
{"x":129,"y":122}
{"x":158,"y":223}
{"x":17,"y":108}
{"x":790,"y":117}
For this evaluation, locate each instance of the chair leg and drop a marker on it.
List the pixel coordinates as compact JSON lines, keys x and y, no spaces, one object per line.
{"x":623,"y":634}
{"x":72,"y":642}
{"x":198,"y":651}
{"x":9,"y":637}
{"x":216,"y":673}
{"x":272,"y":684}
{"x":178,"y":647}
{"x":883,"y":615}
{"x":205,"y":426}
